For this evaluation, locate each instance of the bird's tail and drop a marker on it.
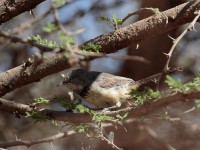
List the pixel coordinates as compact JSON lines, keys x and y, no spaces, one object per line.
{"x":154,"y":78}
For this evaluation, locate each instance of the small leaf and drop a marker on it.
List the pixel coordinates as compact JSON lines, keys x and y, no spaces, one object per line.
{"x":59,"y":3}
{"x":116,"y":20}
{"x":90,"y":47}
{"x":66,"y":41}
{"x":49,"y":28}
{"x":41,"y":100}
{"x":103,"y":18}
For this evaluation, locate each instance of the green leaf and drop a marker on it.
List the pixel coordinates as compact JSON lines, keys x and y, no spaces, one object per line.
{"x":37,"y":116}
{"x":99,"y":118}
{"x":58,"y":3}
{"x":117,"y":21}
{"x":83,"y":128}
{"x":81,"y":108}
{"x":114,"y":22}
{"x":106,"y":19}
{"x":45,"y":42}
{"x":121,"y":117}
{"x":66,"y":103}
{"x":66,"y":41}
{"x":90,"y":47}
{"x":176,"y":85}
{"x":103,"y":18}
{"x":41,"y":100}
{"x":49,"y":28}
{"x":141,"y":97}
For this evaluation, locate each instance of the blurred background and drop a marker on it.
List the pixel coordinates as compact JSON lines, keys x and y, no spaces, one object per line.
{"x":168,"y":128}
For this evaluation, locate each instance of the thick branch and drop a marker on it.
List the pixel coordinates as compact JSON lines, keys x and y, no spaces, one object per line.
{"x":111,"y":42}
{"x":13,"y":107}
{"x":33,"y":72}
{"x":12,"y":8}
{"x":146,"y":28}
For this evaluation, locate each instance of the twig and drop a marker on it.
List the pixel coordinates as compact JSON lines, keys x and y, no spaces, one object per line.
{"x":14,"y":39}
{"x":176,"y":41}
{"x":44,"y":48}
{"x":60,"y":25}
{"x":145,"y":11}
{"x":57,"y":19}
{"x":24,"y":26}
{"x":109,"y":142}
{"x":37,"y":141}
{"x":29,"y":24}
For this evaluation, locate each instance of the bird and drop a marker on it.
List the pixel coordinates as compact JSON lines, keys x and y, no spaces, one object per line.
{"x":103,"y":90}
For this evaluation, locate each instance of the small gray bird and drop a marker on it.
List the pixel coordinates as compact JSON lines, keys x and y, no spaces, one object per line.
{"x":103,"y":90}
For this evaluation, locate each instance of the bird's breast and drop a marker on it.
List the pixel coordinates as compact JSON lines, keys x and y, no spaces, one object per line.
{"x":107,"y":97}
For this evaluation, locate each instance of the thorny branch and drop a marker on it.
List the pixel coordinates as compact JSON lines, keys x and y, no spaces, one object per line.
{"x":57,"y":19}
{"x":37,"y":141}
{"x":10,"y":9}
{"x":29,"y":24}
{"x":21,"y":109}
{"x":146,"y":28}
{"x":15,"y":39}
{"x":122,"y":38}
{"x":176,"y":41}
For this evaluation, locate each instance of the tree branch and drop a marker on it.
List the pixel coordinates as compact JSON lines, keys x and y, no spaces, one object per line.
{"x":21,"y":109}
{"x":10,"y":8}
{"x":33,"y":72}
{"x":147,"y":28}
{"x":110,"y":42}
{"x":37,"y":141}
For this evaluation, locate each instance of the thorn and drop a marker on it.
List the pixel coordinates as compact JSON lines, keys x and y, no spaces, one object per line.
{"x":155,"y":81}
{"x":137,"y":46}
{"x":31,"y":13}
{"x":192,"y":28}
{"x":167,"y":54}
{"x":171,"y":38}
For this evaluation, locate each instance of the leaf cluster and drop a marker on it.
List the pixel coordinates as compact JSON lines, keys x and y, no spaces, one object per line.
{"x":59,"y":3}
{"x":37,"y":116}
{"x":141,"y":97}
{"x":114,"y":21}
{"x":177,"y":86}
{"x":90,"y":47}
{"x":66,"y":41}
{"x":45,"y":42}
{"x":41,"y":100}
{"x":49,"y":27}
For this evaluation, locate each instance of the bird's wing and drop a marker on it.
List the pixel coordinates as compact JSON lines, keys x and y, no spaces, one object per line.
{"x":109,"y":81}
